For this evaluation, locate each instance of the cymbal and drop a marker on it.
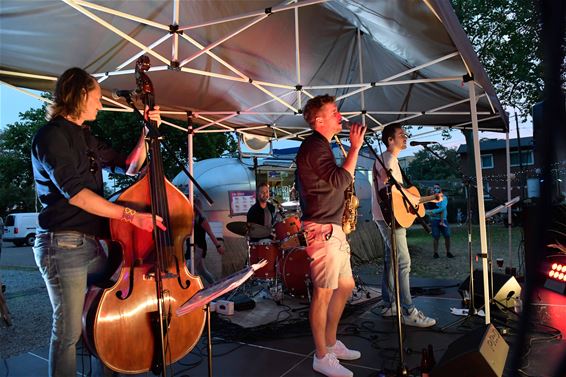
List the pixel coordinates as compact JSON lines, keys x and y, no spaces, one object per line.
{"x":249,"y":229}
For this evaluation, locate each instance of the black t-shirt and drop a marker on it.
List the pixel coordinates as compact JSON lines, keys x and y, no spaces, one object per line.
{"x":320,"y":182}
{"x":67,"y":158}
{"x":257,"y":215}
{"x":200,"y":233}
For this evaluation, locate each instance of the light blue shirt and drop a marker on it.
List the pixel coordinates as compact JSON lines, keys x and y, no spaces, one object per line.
{"x":441,"y":210}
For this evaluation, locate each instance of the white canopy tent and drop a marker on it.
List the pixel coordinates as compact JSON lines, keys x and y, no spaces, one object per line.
{"x":249,"y":66}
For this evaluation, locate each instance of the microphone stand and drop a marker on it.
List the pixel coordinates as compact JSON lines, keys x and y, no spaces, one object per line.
{"x":401,"y":368}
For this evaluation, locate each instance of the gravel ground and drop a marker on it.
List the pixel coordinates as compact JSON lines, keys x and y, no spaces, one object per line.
{"x":31,"y":311}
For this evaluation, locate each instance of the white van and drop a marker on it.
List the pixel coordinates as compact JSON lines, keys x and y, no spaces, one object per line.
{"x":19,"y":228}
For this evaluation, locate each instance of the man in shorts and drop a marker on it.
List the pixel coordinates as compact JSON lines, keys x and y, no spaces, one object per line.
{"x":321,"y":185}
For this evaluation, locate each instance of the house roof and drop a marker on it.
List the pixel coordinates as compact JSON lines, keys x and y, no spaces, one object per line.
{"x":497,"y":144}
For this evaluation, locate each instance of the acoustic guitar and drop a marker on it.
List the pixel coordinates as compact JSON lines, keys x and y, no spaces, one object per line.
{"x":405,"y":212}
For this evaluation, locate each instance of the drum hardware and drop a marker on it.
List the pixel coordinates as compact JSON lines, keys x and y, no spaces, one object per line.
{"x":294,"y":241}
{"x":251,"y":230}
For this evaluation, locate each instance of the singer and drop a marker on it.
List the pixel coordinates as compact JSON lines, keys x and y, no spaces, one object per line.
{"x":262,"y":212}
{"x":67,"y":161}
{"x":395,"y":138}
{"x":321,"y":184}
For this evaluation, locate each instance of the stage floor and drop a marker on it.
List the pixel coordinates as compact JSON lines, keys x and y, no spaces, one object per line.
{"x":283,"y":346}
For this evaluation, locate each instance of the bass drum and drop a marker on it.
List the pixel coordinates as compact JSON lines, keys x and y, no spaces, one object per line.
{"x":295,"y":272}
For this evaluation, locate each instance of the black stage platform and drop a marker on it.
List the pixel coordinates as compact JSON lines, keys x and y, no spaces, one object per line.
{"x":284,"y":347}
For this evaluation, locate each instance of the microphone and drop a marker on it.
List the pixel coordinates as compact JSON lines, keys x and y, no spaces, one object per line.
{"x":423,"y":143}
{"x":277,"y":204}
{"x":124,"y":93}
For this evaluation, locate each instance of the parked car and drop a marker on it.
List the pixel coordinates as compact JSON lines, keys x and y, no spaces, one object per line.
{"x":19,"y":228}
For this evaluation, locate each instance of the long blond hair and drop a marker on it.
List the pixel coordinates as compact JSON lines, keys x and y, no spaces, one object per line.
{"x":70,"y":91}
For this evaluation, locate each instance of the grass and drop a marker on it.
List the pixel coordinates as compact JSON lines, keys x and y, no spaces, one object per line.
{"x":421,"y":249}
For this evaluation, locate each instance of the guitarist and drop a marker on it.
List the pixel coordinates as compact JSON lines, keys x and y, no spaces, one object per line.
{"x":394,"y":137}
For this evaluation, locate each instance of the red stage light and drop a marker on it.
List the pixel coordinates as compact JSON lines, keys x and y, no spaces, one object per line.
{"x":556,"y":278}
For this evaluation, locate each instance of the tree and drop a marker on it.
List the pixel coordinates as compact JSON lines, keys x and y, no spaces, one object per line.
{"x":505,"y":35}
{"x":121,"y":130}
{"x":17,"y":188}
{"x":426,"y":166}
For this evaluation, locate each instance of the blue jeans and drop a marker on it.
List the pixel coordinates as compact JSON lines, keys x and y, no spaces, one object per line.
{"x":404,"y":267}
{"x":437,"y":229}
{"x":66,"y":261}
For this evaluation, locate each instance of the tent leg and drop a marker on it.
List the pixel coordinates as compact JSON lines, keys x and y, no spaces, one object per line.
{"x":481,"y":207}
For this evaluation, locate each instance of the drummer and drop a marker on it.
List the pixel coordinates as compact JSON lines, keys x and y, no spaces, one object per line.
{"x":262,"y":212}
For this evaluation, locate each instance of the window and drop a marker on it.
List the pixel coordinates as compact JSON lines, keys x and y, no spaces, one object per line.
{"x":487,"y":161}
{"x":526,"y":158}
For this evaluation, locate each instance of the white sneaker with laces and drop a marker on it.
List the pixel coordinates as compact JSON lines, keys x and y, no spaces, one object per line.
{"x":342,"y":352}
{"x":330,"y":366}
{"x":418,"y":319}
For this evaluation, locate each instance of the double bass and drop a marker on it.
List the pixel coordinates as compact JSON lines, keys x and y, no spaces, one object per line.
{"x":131,"y":325}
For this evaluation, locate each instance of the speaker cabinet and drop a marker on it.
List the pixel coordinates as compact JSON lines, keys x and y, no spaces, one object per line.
{"x":479,"y":353}
{"x":505,"y":289}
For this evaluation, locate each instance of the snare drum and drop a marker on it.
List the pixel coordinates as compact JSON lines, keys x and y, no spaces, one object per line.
{"x":268,"y":251}
{"x":295,"y":272}
{"x":287,"y":227}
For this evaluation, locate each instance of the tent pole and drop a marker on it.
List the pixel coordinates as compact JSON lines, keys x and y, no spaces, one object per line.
{"x":481,"y":207}
{"x":191,"y":188}
{"x":361,"y":71}
{"x":175,"y":44}
{"x":298,"y":57}
{"x":509,"y":216}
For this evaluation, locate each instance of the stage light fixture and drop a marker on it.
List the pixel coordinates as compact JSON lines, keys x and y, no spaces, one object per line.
{"x":556,"y":280}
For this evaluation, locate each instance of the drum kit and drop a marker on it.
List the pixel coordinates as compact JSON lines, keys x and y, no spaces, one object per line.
{"x":283,"y":248}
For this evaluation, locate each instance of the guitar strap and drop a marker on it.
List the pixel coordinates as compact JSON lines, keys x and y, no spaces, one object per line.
{"x":407,"y":182}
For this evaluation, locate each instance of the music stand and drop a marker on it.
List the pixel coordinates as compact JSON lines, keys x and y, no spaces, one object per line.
{"x":206,"y":295}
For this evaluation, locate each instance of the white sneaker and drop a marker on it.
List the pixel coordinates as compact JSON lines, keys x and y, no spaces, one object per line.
{"x":418,"y":319}
{"x":389,"y":311}
{"x":342,"y":352}
{"x":330,"y":366}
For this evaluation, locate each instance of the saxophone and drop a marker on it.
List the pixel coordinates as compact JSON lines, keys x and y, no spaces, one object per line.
{"x":351,"y":202}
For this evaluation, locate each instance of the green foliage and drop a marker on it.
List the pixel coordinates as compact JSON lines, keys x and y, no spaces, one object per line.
{"x":17,"y":189}
{"x":426,"y":166}
{"x":122,"y":131}
{"x":505,"y":35}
